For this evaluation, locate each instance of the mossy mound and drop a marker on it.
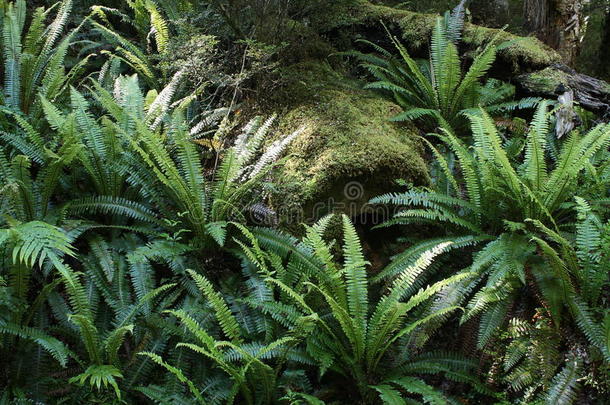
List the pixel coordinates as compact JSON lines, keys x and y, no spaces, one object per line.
{"x":349,"y":153}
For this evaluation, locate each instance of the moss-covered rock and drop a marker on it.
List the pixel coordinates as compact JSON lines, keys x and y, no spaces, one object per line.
{"x":349,"y":153}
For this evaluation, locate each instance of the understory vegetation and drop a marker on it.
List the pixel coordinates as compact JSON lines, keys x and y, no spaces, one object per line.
{"x":146,"y":259}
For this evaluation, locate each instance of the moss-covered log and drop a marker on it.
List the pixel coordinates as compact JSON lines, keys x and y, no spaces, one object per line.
{"x":591,"y":93}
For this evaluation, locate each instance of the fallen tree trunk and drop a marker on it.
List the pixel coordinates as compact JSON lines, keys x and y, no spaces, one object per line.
{"x":591,"y":93}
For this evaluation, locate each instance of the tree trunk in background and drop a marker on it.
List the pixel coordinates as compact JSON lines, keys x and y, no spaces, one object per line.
{"x":603,"y":69}
{"x":558,"y":23}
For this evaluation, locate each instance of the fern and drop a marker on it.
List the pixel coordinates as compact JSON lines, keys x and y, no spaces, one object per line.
{"x":100,"y":376}
{"x":349,"y":336}
{"x":33,"y":66}
{"x":564,"y":385}
{"x":512,"y":207}
{"x":440,"y":93}
{"x":223,"y":314}
{"x":54,"y":346}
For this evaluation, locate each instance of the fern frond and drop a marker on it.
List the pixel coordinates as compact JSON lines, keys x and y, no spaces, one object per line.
{"x":55,"y":347}
{"x":356,"y":278}
{"x":222,"y":312}
{"x":564,"y":386}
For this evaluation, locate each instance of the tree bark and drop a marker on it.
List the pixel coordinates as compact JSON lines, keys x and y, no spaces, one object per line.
{"x":590,"y":93}
{"x":603,"y":69}
{"x":558,"y":23}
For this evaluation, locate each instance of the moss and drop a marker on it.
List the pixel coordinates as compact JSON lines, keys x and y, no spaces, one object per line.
{"x":415,"y":28}
{"x":305,"y":81}
{"x":544,"y":82}
{"x":522,"y":53}
{"x":340,"y":14}
{"x":349,"y":153}
{"x":304,"y":42}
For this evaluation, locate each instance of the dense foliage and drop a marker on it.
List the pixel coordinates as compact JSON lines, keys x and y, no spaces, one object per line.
{"x":437,"y":89}
{"x":133,"y":194}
